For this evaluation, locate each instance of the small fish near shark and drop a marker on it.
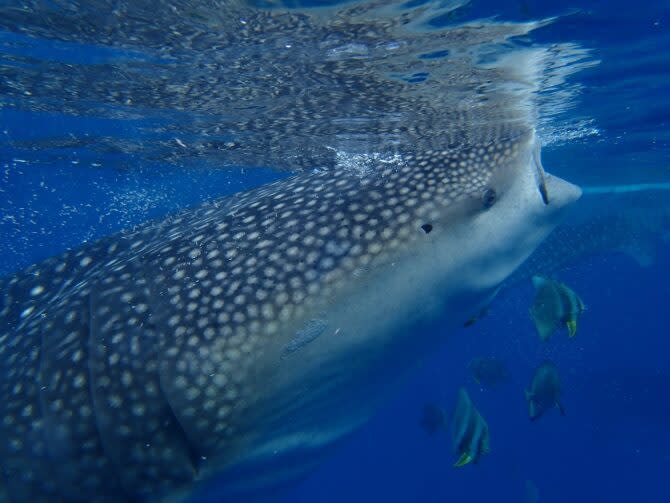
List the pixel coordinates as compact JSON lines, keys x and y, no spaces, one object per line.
{"x":544,"y":392}
{"x":555,"y":305}
{"x":531,"y":491}
{"x":488,"y":371}
{"x":467,"y":428}
{"x":469,"y":431}
{"x":241,"y":339}
{"x":433,"y":418}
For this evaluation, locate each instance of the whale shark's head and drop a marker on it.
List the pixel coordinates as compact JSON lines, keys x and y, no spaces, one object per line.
{"x":520,"y":205}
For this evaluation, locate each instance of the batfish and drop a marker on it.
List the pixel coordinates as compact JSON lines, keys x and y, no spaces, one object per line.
{"x":469,"y":431}
{"x":544,"y":392}
{"x":488,"y":371}
{"x":555,"y":305}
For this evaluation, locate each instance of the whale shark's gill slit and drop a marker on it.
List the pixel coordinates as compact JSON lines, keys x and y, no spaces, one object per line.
{"x":170,"y":420}
{"x":427,"y":228}
{"x":69,"y":412}
{"x":139,"y":432}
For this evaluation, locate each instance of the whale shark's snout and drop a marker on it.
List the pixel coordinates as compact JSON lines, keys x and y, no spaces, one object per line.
{"x":560,"y":193}
{"x":555,"y":191}
{"x":530,"y":204}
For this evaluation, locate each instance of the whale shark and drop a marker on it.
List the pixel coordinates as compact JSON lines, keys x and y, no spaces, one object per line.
{"x":469,"y":431}
{"x":632,"y":219}
{"x":241,"y":339}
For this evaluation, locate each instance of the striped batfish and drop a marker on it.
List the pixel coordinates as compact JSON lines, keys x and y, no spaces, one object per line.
{"x":555,"y":305}
{"x":544,"y":392}
{"x":469,"y":431}
{"x":240,"y":339}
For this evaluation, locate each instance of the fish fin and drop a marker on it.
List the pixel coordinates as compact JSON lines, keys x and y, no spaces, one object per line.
{"x":572,"y":327}
{"x":580,"y":304}
{"x":538,"y":281}
{"x":465,"y":458}
{"x":544,"y":330}
{"x":532,"y":411}
{"x":560,"y":408}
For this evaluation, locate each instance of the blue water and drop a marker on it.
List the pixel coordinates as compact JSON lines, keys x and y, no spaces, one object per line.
{"x":613,"y":445}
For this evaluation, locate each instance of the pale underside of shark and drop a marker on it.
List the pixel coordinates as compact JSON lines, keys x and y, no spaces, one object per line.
{"x":242,"y":338}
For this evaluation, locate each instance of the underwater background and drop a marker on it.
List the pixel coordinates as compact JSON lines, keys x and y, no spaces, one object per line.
{"x":72,"y":170}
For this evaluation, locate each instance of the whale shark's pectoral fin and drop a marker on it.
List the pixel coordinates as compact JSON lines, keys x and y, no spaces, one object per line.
{"x":465,"y":458}
{"x":572,"y":327}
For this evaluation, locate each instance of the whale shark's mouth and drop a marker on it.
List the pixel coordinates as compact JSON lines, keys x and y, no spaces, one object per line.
{"x":540,"y":175}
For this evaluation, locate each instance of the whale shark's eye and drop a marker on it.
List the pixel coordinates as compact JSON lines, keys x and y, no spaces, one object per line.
{"x":489,"y":198}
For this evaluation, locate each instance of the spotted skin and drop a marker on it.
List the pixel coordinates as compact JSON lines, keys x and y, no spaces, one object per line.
{"x":137,"y":428}
{"x":128,"y":363}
